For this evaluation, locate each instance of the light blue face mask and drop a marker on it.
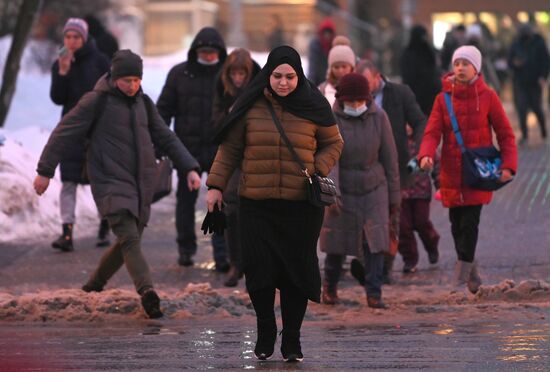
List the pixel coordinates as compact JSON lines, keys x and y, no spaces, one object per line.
{"x":355,"y":112}
{"x":207,"y":63}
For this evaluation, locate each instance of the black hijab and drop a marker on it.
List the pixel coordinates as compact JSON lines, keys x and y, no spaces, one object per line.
{"x":306,"y":101}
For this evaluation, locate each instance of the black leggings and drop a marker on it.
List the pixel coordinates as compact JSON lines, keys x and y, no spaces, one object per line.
{"x":464,"y":227}
{"x":293,"y":306}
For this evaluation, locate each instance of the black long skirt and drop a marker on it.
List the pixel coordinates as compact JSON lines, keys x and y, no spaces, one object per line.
{"x":279,"y":244}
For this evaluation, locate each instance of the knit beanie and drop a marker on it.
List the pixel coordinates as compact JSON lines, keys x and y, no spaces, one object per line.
{"x":78,"y":25}
{"x":469,"y":53}
{"x":126,"y":63}
{"x":341,"y":53}
{"x":341,"y":40}
{"x":353,"y":87}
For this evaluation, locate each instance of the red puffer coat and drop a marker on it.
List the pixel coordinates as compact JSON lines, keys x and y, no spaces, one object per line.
{"x":477,"y":109}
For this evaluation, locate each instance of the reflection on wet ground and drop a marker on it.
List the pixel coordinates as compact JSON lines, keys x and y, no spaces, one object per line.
{"x":229,"y":344}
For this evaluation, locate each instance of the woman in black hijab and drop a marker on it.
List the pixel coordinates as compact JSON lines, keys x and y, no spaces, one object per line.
{"x":279,"y":228}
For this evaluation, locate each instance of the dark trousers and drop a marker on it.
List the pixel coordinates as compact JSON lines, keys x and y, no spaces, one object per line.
{"x":525,"y":98}
{"x":126,"y":250}
{"x":185,"y":224}
{"x":293,"y":306}
{"x":233,"y":235}
{"x":465,"y":227}
{"x":374,"y":266}
{"x":415,"y":216}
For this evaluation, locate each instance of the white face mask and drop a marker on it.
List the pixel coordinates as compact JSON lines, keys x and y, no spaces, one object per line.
{"x":207,"y":63}
{"x":355,"y":112}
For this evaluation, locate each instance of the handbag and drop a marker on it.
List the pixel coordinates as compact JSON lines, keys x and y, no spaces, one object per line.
{"x":321,"y":191}
{"x":163,"y":179}
{"x":481,"y":165}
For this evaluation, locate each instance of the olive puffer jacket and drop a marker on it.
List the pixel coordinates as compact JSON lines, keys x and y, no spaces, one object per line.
{"x":121,"y":158}
{"x":268,"y":169}
{"x":478,"y":111}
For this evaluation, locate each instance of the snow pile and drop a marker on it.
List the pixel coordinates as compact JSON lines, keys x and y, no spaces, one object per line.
{"x":509,"y":291}
{"x":76,"y":305}
{"x":23,"y":214}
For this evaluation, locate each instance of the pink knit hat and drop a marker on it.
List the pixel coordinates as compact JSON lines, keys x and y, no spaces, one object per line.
{"x":341,"y":53}
{"x":471,"y":54}
{"x":78,"y":25}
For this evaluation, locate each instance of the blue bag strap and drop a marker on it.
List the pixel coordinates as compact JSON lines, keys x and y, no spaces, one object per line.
{"x":454,"y":122}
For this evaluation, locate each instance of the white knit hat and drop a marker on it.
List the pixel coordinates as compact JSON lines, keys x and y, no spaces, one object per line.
{"x":469,"y":53}
{"x":341,"y":53}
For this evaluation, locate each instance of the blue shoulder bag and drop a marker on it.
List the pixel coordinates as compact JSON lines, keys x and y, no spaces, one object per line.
{"x":480,"y":166}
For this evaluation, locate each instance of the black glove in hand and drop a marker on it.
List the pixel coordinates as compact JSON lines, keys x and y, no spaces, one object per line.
{"x":214,"y":222}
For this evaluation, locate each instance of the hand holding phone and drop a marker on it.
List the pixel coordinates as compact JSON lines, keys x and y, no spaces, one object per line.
{"x":65,"y":57}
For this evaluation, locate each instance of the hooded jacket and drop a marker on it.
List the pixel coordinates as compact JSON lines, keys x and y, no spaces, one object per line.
{"x":479,"y":112}
{"x":86,"y":68}
{"x":188,"y":95}
{"x":121,"y":158}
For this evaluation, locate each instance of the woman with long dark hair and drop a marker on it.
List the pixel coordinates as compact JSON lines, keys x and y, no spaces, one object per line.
{"x":279,"y":228}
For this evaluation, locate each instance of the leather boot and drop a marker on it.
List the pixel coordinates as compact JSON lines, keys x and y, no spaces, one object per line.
{"x":474,"y":280}
{"x":233,"y":277}
{"x":65,"y":240}
{"x":330,"y":294}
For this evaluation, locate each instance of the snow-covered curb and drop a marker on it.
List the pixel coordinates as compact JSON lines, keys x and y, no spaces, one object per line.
{"x":201,"y":300}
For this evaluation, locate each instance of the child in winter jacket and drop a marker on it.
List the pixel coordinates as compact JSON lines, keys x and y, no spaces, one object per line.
{"x":415,"y":214}
{"x":479,"y":113}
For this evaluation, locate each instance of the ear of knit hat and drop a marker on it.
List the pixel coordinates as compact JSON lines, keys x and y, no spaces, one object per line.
{"x":353,"y":87}
{"x":341,"y":53}
{"x":469,"y":53}
{"x":78,"y":25}
{"x":126,"y":63}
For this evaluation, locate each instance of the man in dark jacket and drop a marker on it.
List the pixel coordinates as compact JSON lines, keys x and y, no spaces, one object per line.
{"x":187,"y":96}
{"x":121,"y":166}
{"x":529,"y":61}
{"x":401,"y":107}
{"x":76,"y":71}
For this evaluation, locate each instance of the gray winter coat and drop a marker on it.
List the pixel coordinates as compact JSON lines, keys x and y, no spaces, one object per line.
{"x":120,"y":158}
{"x":368,"y":178}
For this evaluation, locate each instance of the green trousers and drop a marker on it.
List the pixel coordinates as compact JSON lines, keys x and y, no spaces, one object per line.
{"x":126,"y":250}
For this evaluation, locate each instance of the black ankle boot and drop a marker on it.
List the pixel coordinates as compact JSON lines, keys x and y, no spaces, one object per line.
{"x":291,"y":347}
{"x":65,"y":241}
{"x":151,"y":304}
{"x":267,"y":335}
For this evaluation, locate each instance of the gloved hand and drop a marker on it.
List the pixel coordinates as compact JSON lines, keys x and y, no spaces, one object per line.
{"x":395,"y":214}
{"x":214,"y":222}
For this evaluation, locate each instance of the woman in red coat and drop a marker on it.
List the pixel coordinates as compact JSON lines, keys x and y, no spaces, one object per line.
{"x":479,"y":112}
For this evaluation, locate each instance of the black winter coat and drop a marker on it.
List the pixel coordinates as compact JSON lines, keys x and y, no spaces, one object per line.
{"x":188,"y":96}
{"x":528,"y":58}
{"x":88,"y":66}
{"x":121,"y":158}
{"x":400,"y":105}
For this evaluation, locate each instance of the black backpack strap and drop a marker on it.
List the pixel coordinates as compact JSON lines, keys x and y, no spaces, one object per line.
{"x":99,"y":108}
{"x":286,"y":140}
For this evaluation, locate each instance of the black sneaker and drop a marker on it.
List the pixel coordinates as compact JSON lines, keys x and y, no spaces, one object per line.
{"x":358,"y":271}
{"x":409,"y":269}
{"x":291,"y":347}
{"x":265,"y":342}
{"x":151,"y":304}
{"x":185,"y":260}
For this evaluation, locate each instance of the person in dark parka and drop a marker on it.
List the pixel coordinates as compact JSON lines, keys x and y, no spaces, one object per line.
{"x":529,"y":61}
{"x":78,"y":68}
{"x":187,"y":96}
{"x":419,"y":69}
{"x":121,"y":166}
{"x":319,"y":48}
{"x":105,"y":41}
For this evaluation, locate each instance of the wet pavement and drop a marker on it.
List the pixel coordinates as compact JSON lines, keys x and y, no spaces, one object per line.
{"x":166,"y":346}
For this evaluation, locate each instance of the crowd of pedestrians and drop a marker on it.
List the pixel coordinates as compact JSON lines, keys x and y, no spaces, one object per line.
{"x":383,"y":144}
